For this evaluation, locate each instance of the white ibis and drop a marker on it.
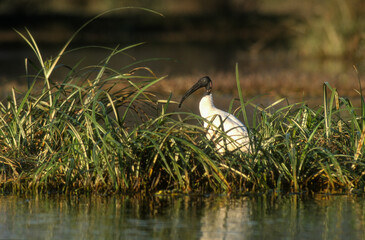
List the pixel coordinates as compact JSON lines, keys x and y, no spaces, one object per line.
{"x":218,"y":119}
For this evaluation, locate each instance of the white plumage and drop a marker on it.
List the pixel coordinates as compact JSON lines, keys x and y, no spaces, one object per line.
{"x":218,"y":119}
{"x":237,"y":132}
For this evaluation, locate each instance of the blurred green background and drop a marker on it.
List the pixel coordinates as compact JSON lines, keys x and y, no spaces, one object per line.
{"x":327,"y":28}
{"x":268,"y":38}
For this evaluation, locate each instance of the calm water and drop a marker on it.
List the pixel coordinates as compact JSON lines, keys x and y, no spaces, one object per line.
{"x":184,"y":217}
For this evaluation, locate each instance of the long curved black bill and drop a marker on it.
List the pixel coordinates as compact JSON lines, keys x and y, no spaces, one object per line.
{"x":190,"y":91}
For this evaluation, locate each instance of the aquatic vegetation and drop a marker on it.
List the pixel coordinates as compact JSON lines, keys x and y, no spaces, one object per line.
{"x":102,"y":130}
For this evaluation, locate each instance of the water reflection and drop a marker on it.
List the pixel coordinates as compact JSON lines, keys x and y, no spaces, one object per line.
{"x":184,"y":217}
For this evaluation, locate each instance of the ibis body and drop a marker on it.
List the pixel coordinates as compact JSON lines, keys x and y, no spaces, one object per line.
{"x":218,"y":120}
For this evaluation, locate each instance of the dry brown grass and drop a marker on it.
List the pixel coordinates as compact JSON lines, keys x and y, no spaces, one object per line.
{"x":284,"y":83}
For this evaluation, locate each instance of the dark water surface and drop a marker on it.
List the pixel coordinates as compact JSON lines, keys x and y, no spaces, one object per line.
{"x":182,"y":217}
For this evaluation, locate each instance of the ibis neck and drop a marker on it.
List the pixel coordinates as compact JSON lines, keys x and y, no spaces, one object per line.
{"x":206,"y":105}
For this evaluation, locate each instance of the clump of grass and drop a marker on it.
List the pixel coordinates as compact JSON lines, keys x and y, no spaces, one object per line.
{"x":101,"y":130}
{"x":76,"y":135}
{"x":296,"y":148}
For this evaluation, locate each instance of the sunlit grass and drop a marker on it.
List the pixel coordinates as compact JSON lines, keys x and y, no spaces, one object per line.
{"x":101,"y":130}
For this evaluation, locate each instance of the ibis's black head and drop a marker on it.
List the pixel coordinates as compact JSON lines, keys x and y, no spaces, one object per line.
{"x":203,"y":82}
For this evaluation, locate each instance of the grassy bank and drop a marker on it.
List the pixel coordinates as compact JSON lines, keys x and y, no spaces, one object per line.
{"x":101,"y":130}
